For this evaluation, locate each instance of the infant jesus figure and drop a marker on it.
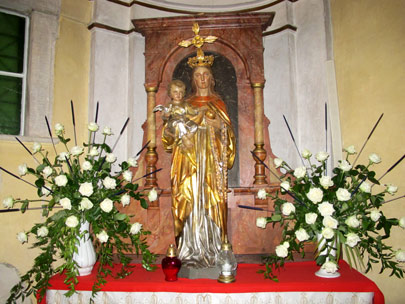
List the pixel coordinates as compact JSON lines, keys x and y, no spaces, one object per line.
{"x":177,"y":116}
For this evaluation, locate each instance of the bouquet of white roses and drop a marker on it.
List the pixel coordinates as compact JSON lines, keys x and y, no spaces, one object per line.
{"x":338,"y":212}
{"x":78,"y":186}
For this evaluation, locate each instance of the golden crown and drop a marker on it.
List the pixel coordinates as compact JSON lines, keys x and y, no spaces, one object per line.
{"x":198,"y":42}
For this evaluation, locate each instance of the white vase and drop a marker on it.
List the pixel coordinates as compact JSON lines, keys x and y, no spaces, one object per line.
{"x":322,"y":272}
{"x":85,"y":256}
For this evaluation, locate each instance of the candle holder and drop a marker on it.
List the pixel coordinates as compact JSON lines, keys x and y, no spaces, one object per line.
{"x":171,"y":264}
{"x":226,"y":263}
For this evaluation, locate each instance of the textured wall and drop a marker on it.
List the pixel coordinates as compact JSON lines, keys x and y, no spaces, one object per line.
{"x":71,"y":70}
{"x":369,"y":50}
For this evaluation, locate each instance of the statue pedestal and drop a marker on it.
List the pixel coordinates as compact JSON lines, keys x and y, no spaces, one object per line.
{"x":199,"y":273}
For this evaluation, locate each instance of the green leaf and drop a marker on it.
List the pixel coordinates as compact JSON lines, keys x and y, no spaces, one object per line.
{"x":144,"y":203}
{"x":120,"y":216}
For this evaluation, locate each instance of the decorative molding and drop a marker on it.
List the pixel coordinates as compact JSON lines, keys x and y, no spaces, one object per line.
{"x":192,"y":12}
{"x":109,"y":28}
{"x":280,"y":29}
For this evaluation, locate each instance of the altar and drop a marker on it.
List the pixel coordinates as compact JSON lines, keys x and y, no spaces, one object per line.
{"x":297,"y":284}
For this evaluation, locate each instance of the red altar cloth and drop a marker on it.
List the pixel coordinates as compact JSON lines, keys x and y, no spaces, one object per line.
{"x":295,"y":276}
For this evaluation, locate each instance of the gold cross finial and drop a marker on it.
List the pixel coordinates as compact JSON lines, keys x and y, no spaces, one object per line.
{"x":198,"y":42}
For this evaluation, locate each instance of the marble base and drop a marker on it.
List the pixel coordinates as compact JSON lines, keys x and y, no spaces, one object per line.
{"x":199,"y":273}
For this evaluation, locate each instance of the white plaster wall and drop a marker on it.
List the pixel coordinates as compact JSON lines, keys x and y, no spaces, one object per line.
{"x":111,"y":14}
{"x":311,"y":74}
{"x":109,"y":85}
{"x":280,"y":94}
{"x":136,"y":92}
{"x":44,"y":30}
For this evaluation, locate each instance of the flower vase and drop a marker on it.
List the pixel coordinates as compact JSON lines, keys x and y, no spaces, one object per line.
{"x":326,"y":272}
{"x":85,"y":257}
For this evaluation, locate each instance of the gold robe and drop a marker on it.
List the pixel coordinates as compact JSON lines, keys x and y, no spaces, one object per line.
{"x":199,"y":184}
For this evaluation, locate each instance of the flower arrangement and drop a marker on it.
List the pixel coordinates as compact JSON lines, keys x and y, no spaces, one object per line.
{"x":339,"y":213}
{"x":80,"y":185}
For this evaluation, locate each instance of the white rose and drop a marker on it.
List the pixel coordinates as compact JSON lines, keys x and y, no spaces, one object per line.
{"x":350,"y":150}
{"x":92,"y":126}
{"x":327,"y":233}
{"x":306,"y":154}
{"x":300,"y":172}
{"x":127,"y":175}
{"x":326,"y":209}
{"x":36,"y":147}
{"x":281,"y":251}
{"x":85,"y":204}
{"x":47,"y":171}
{"x":400,"y":255}
{"x":65,"y":203}
{"x":401,"y":222}
{"x":352,"y":239}
{"x":315,"y":195}
{"x":330,"y":222}
{"x":45,"y":191}
{"x":106,"y":205}
{"x":110,"y":158}
{"x":61,"y":180}
{"x":343,"y":195}
{"x":72,"y":221}
{"x":102,"y":236}
{"x":63,"y":156}
{"x":109,"y":183}
{"x":310,"y":218}
{"x":375,"y":215}
{"x":344,"y":165}
{"x":285,"y":186}
{"x":86,"y":189}
{"x":326,"y":181}
{"x":374,"y":158}
{"x":59,"y":128}
{"x":94,"y":151}
{"x":287,"y":208}
{"x":86,"y":166}
{"x":286,"y":244}
{"x":107,"y":131}
{"x":352,"y":221}
{"x":8,"y":202}
{"x":76,"y":150}
{"x":391,"y":189}
{"x":132,"y":162}
{"x":22,"y":169}
{"x":261,"y":222}
{"x":125,"y":200}
{"x":322,"y":156}
{"x":365,"y":187}
{"x":22,"y":237}
{"x":152,"y":195}
{"x":329,"y":267}
{"x":262,"y":194}
{"x":136,"y":228}
{"x":302,"y":235}
{"x":278,"y":162}
{"x":42,"y":231}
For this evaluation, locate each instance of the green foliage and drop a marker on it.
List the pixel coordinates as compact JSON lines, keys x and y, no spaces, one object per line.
{"x":346,"y":216}
{"x":61,"y":183}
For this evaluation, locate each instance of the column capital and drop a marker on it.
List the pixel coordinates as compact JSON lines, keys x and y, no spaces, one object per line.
{"x":257,"y":85}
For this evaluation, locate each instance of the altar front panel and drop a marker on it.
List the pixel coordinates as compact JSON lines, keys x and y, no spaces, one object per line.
{"x":297,"y":280}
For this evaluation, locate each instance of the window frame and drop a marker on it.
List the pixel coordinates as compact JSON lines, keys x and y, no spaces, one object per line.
{"x":23,"y":74}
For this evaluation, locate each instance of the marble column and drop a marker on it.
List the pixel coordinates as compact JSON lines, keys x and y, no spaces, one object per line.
{"x":151,"y":156}
{"x":259,"y":151}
